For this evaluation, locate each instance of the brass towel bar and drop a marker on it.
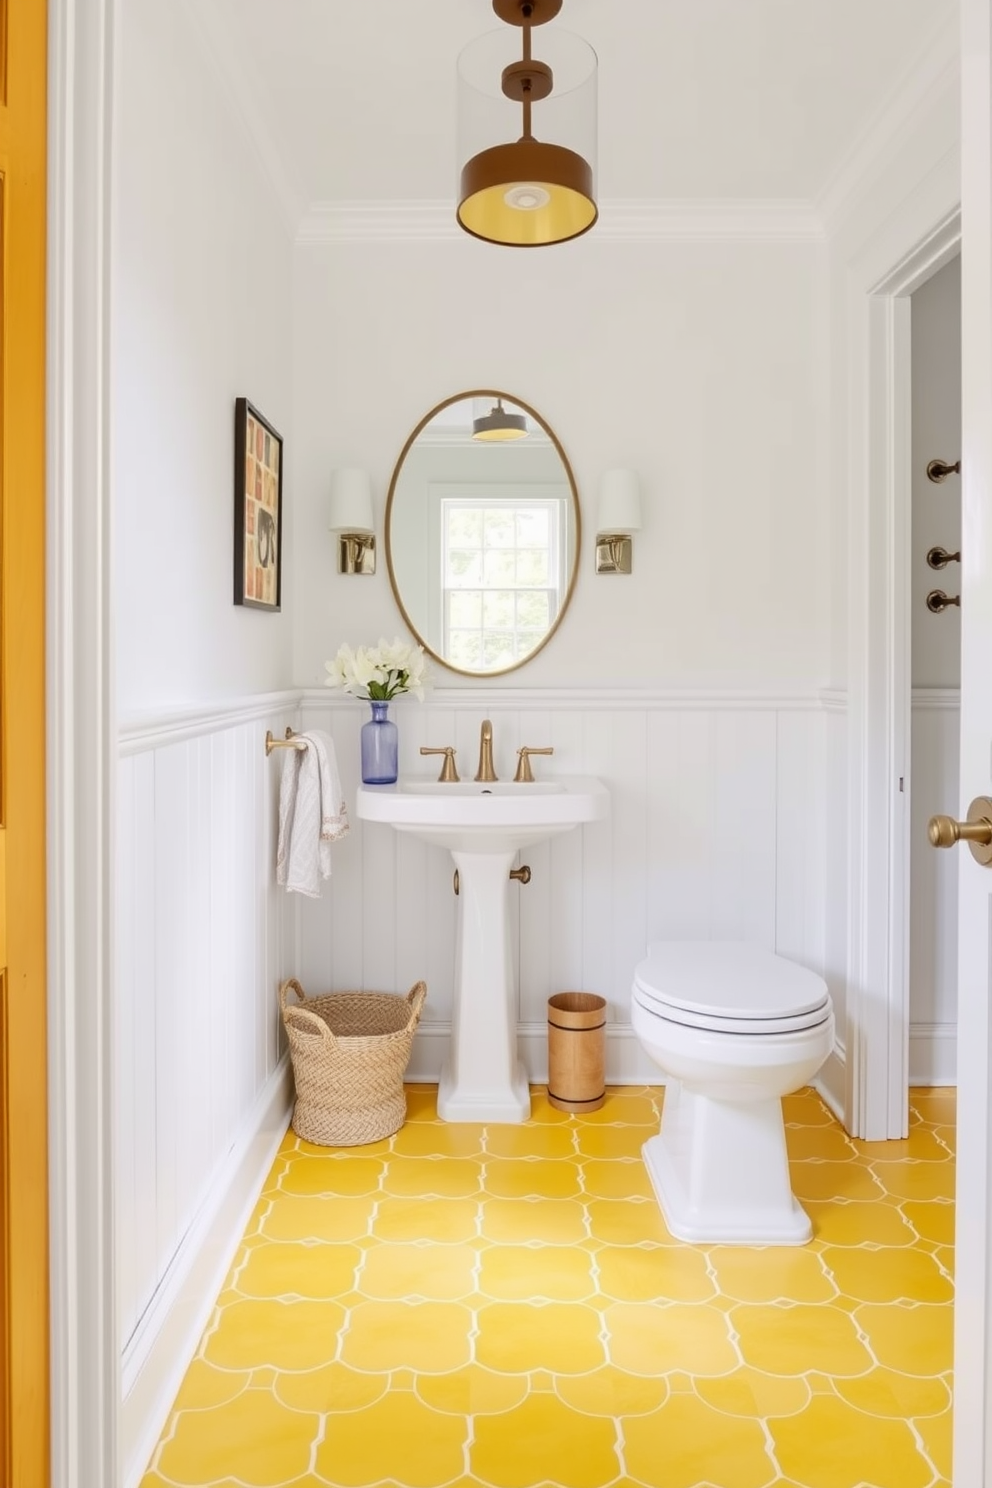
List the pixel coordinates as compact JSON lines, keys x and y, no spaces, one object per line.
{"x":290,"y":742}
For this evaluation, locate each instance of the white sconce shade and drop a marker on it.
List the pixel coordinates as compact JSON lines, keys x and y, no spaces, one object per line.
{"x":618,"y":515}
{"x":350,"y":515}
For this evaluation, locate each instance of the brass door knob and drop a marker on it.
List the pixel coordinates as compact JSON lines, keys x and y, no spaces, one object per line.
{"x":944,"y":831}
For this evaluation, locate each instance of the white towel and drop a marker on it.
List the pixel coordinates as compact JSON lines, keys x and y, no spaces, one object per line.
{"x":312,"y":814}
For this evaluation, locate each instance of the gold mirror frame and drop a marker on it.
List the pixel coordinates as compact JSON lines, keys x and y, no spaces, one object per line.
{"x":494,"y":394}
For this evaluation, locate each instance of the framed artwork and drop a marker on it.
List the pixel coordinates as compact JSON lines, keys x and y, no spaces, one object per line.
{"x":257,"y":509}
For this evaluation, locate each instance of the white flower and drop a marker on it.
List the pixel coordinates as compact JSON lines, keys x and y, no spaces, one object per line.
{"x":378,"y":672}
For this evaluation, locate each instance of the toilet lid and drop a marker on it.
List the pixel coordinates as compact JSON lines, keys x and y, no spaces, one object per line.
{"x":730,"y":987}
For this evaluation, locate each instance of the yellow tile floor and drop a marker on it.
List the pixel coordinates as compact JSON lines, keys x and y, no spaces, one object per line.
{"x":502,"y":1306}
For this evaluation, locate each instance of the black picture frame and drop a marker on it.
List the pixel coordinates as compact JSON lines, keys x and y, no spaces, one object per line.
{"x":258,"y":469}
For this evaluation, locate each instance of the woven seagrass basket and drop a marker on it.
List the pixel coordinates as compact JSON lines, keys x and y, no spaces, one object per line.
{"x":350,"y":1051}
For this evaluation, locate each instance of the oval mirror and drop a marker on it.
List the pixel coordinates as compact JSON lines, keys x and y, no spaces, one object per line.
{"x":482,"y":532}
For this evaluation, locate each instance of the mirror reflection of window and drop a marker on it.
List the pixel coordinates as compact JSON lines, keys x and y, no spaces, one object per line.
{"x":482,"y":534}
{"x":502,"y":578}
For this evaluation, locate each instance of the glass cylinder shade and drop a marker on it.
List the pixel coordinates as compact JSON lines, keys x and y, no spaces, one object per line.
{"x":534,"y":190}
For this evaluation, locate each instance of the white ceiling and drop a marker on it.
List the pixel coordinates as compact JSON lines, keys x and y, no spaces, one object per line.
{"x":354,"y":100}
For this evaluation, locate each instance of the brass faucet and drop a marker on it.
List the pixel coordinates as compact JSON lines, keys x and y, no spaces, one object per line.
{"x":485,"y":770}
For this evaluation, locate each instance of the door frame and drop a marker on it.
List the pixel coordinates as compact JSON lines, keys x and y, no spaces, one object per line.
{"x":879,"y":698}
{"x":82,"y":746}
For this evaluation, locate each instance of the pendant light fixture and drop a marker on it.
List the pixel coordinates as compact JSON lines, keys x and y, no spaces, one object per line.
{"x":499,"y":425}
{"x":527,"y":180}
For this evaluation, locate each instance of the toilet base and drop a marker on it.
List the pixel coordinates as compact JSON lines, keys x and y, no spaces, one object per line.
{"x":720,"y":1172}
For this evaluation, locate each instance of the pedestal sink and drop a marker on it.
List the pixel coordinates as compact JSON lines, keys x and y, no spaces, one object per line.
{"x":483,"y":826}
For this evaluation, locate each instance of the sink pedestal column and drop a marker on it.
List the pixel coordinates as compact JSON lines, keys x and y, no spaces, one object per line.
{"x":483,"y":1080}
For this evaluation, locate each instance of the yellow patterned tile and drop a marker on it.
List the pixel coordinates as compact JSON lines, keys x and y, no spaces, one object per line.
{"x":887,"y":1275}
{"x":514,"y":1221}
{"x":687,"y":1444}
{"x":752,"y":1394}
{"x":792,"y":1274}
{"x":613,"y":1392}
{"x":922,"y":1145}
{"x":344,"y":1176}
{"x":429,"y":1336}
{"x":286,"y":1335}
{"x":326,"y":1150}
{"x":790,"y":1340}
{"x":438,"y":1139}
{"x":205,"y":1386}
{"x":831,"y":1445}
{"x":421,"y":1103}
{"x":822,"y":1143}
{"x":334,"y":1387}
{"x":889,"y":1392}
{"x":394,"y":1271}
{"x":875,"y":1223}
{"x":281,"y":1270}
{"x":835,"y":1180}
{"x":613,"y":1141}
{"x":936,"y":1433}
{"x":806,"y":1108}
{"x":916,"y":1180}
{"x":252,"y":1439}
{"x":650,"y":1340}
{"x":545,"y":1141}
{"x":445,"y":1221}
{"x":514,"y":1338}
{"x":915,"y":1340}
{"x":315,"y":1219}
{"x":632,"y":1274}
{"x":522,"y":1273}
{"x":627,"y":1221}
{"x":620,"y":1179}
{"x":550,"y":1443}
{"x":508,"y":1178}
{"x":930,"y":1221}
{"x":938,"y":1104}
{"x":473,"y":1391}
{"x":634,"y":1106}
{"x":427,"y":1178}
{"x":398,"y":1440}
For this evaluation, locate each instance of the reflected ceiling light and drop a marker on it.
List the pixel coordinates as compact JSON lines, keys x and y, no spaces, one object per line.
{"x":526,"y":192}
{"x":498,"y":424}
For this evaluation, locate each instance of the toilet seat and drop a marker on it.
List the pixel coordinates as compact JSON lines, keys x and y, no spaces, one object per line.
{"x":729,"y":987}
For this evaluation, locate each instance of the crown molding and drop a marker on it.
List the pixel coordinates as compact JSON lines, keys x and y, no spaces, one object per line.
{"x":236,"y":92}
{"x":934,"y":71}
{"x":619,"y":220}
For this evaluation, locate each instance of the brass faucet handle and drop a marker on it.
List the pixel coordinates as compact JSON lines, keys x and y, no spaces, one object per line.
{"x":525,"y":775}
{"x":448,"y":771}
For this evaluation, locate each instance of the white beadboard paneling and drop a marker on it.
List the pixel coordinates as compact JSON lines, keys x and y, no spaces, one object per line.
{"x":717,"y":829}
{"x":203,"y":940}
{"x":933,"y":956}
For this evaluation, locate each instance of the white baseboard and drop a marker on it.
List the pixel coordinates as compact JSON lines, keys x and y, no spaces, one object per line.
{"x":626,"y":1061}
{"x":933,"y":1054}
{"x":163,"y":1345}
{"x":831,"y":1082}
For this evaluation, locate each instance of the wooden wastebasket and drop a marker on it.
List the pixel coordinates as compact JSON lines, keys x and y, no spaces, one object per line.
{"x":576,"y":1051}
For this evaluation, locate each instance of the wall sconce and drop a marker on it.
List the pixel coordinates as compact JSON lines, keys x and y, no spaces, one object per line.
{"x":350,"y":516}
{"x":619,"y":515}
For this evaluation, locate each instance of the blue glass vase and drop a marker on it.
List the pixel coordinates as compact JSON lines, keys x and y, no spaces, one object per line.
{"x":380,"y":747}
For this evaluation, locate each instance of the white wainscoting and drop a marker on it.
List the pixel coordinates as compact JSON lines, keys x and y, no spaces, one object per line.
{"x":717,"y":830}
{"x":933,"y":949}
{"x":202,"y":1084}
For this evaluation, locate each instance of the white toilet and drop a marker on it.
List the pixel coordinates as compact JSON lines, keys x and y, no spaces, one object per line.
{"x":734,"y":1028}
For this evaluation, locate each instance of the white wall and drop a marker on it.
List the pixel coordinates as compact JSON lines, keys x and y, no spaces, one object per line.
{"x":697,"y":363}
{"x":936,"y":674}
{"x":202,"y":287}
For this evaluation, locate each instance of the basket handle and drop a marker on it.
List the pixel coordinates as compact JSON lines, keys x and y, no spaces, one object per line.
{"x":416,"y":997}
{"x":300,"y":1018}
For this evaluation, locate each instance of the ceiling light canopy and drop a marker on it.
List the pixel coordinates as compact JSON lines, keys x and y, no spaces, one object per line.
{"x":526,"y":191}
{"x":498,"y":424}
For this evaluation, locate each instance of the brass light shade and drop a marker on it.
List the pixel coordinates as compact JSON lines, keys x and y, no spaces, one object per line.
{"x":499,"y":425}
{"x":515,"y":188}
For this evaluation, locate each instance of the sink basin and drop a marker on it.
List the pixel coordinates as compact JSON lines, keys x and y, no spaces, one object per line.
{"x":484,"y":825}
{"x":484,"y":816}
